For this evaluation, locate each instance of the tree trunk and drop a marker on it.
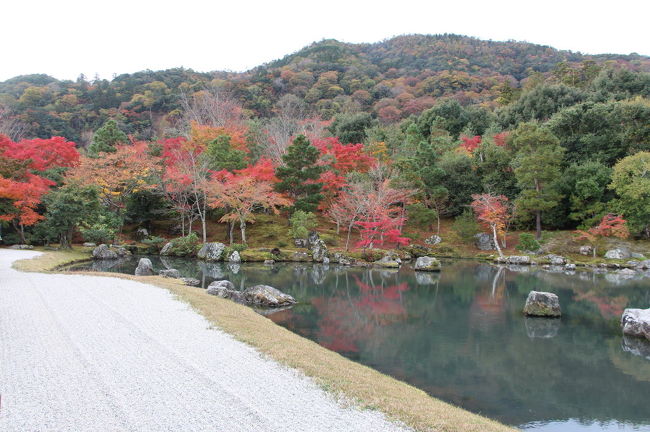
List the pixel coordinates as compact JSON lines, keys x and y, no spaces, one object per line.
{"x":242,"y":227}
{"x":438,"y":226}
{"x":231,"y":232}
{"x":496,"y":240}
{"x":538,"y":225}
{"x":22,"y":234}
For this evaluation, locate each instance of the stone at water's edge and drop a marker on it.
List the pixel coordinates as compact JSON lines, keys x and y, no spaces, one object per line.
{"x":427,"y":263}
{"x":170,"y":273}
{"x":618,"y":253}
{"x":225,"y":289}
{"x":103,"y":252}
{"x":144,"y":268}
{"x":555,"y":259}
{"x":211,"y":252}
{"x":318,"y":250}
{"x":166,"y":249}
{"x":89,"y":244}
{"x":234,"y":257}
{"x":21,"y":246}
{"x":542,"y":304}
{"x":389,"y":261}
{"x":636,"y":322}
{"x":265,"y":295}
{"x":191,"y":282}
{"x":586,"y":250}
{"x":515,"y":259}
{"x":269,"y":262}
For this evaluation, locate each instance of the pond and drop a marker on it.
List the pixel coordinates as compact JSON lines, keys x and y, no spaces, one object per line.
{"x":461,"y":337}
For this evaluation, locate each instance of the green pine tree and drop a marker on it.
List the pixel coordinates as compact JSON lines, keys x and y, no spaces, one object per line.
{"x":106,"y":138}
{"x":537,"y":167}
{"x":299,"y":173}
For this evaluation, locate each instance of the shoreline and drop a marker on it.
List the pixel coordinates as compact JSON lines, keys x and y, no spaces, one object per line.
{"x":366,"y":387}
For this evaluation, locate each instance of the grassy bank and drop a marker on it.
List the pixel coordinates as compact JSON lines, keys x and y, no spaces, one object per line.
{"x":366,"y":387}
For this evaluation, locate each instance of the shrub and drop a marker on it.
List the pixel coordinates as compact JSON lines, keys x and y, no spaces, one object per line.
{"x":421,"y":216}
{"x":466,"y":226}
{"x":301,"y":224}
{"x":154,"y":243}
{"x":329,"y":239}
{"x":281,"y":244}
{"x":103,"y":230}
{"x":527,"y":242}
{"x":184,"y":246}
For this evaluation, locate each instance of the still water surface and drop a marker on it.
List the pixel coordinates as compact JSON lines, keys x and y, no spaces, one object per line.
{"x":461,"y":337}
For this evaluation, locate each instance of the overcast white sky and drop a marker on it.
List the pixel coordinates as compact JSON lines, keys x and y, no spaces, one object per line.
{"x":64,"y":38}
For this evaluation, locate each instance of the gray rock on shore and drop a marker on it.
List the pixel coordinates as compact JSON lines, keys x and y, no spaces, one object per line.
{"x":211,"y":251}
{"x":166,"y":249}
{"x":618,"y":253}
{"x":170,"y":273}
{"x":542,"y":304}
{"x":264,"y":295}
{"x":234,"y":257}
{"x":144,"y":268}
{"x":636,"y":322}
{"x":433,"y":240}
{"x":191,"y":282}
{"x":103,"y":252}
{"x":515,"y":259}
{"x":484,"y":241}
{"x":427,"y":263}
{"x":225,"y":289}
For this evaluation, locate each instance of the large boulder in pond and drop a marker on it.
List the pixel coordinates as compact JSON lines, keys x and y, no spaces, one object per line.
{"x":542,"y":304}
{"x":103,"y":252}
{"x":170,"y":273}
{"x":144,"y":268}
{"x":264,"y":295}
{"x":211,"y":252}
{"x":636,"y":322}
{"x":484,"y":241}
{"x":427,"y":263}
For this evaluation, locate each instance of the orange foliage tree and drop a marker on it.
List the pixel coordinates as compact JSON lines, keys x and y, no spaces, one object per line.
{"x":611,"y":225}
{"x":493,"y":212}
{"x":240,"y":194}
{"x":118,"y":175}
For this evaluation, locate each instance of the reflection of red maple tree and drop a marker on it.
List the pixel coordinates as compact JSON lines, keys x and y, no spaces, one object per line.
{"x":347,"y":321}
{"x":609,"y":307}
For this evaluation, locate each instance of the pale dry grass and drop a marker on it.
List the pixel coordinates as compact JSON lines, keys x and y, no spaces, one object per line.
{"x":366,"y":387}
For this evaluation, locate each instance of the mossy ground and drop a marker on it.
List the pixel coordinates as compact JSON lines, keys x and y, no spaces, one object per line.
{"x":368,"y":388}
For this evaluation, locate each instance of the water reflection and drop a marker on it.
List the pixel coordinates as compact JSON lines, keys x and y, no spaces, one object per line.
{"x":460,"y":335}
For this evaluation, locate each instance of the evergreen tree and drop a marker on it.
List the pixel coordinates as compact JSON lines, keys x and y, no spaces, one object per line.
{"x":537,"y":167}
{"x":299,"y":174}
{"x":222,"y":156}
{"x":631,"y":182}
{"x":106,"y":138}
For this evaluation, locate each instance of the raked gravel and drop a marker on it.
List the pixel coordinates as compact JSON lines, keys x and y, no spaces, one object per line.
{"x":83,"y":353}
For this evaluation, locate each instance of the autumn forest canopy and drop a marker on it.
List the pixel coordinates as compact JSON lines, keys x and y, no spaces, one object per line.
{"x":379,"y":140}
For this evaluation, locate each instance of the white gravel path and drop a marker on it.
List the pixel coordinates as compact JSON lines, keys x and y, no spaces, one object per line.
{"x":83,"y":353}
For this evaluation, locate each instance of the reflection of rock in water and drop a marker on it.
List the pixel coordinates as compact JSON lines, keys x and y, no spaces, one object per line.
{"x":318,"y":273}
{"x":542,"y":328}
{"x":299,"y":270}
{"x":166,"y":262}
{"x":484,"y":272}
{"x":106,"y":265}
{"x":422,"y":278}
{"x":636,"y":346}
{"x":518,"y":268}
{"x":211,"y":270}
{"x":388,"y":273}
{"x":234,"y":268}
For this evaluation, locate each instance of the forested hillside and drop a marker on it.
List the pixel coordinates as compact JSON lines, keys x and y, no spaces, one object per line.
{"x":390,"y":80}
{"x":378,"y":139}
